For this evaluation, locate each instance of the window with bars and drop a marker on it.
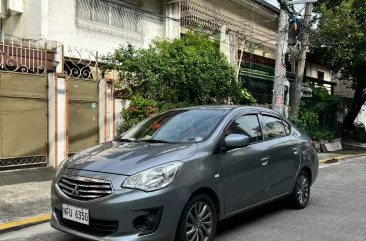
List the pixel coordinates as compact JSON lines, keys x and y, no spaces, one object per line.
{"x":122,"y":15}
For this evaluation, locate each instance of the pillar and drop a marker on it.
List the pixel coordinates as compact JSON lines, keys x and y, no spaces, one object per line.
{"x":172,"y":28}
{"x":59,"y":57}
{"x":57,"y":118}
{"x":107,"y":126}
{"x":228,"y":46}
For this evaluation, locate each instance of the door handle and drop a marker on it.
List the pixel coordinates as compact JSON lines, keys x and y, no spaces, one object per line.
{"x":265,"y":161}
{"x":295,"y":150}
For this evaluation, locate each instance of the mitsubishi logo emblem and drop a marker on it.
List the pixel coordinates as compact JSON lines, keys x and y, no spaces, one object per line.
{"x":76,"y":190}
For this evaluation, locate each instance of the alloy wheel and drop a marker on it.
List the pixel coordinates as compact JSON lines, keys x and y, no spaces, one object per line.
{"x":302,"y":191}
{"x":199,"y":222}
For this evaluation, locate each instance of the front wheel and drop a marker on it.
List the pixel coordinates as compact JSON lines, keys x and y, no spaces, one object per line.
{"x":299,"y":198}
{"x":198,"y":221}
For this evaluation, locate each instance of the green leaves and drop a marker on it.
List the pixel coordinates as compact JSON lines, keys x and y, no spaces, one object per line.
{"x":247,"y":96}
{"x":342,"y":30}
{"x":191,"y":69}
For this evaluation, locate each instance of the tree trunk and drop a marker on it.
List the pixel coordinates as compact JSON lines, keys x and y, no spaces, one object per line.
{"x":357,"y":103}
{"x":295,"y":101}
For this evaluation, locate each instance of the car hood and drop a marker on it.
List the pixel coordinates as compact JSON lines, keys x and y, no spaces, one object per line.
{"x":128,"y":158}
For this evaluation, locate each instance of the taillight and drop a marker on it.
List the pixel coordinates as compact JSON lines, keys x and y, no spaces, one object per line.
{"x":313,"y":143}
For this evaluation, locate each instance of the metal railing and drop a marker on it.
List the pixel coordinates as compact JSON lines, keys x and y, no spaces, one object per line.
{"x":25,"y":55}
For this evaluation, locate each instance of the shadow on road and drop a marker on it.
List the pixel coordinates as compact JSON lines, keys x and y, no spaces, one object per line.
{"x":238,"y":222}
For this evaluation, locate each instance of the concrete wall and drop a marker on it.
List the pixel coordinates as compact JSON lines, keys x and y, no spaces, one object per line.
{"x":56,"y":20}
{"x":244,"y":14}
{"x":312,"y":71}
{"x":63,"y":28}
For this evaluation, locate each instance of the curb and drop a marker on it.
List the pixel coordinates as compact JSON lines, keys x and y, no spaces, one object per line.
{"x":342,"y":157}
{"x":14,"y":226}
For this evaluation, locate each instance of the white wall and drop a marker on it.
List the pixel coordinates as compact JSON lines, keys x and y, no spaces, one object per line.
{"x":56,"y":20}
{"x":361,"y":118}
{"x":63,"y":28}
{"x":312,"y":71}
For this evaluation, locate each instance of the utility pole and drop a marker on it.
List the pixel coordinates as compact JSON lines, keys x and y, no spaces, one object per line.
{"x":295,"y":102}
{"x":280,"y":79}
{"x":280,"y":70}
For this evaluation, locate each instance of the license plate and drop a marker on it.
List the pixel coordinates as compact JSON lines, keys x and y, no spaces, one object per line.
{"x":76,"y":214}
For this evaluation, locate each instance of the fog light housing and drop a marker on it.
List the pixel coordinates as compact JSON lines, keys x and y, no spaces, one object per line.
{"x":148,"y":223}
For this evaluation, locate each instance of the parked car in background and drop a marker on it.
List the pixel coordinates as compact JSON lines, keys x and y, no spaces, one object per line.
{"x":176,"y":174}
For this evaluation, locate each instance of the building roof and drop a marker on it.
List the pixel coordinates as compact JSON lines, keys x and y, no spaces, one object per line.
{"x":268,"y":6}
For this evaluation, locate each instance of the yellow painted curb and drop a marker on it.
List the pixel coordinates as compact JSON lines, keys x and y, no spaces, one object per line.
{"x":342,"y":157}
{"x":25,"y":222}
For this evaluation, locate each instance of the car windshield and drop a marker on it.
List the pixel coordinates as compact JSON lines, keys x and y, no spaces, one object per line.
{"x":177,"y":126}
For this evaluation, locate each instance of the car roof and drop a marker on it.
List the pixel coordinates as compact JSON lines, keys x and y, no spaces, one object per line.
{"x":230,"y":107}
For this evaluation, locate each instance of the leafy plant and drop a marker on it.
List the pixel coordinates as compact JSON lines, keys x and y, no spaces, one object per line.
{"x":307,"y":121}
{"x":247,"y":96}
{"x":327,"y":105}
{"x":191,"y":69}
{"x":339,"y":41}
{"x":326,"y":135}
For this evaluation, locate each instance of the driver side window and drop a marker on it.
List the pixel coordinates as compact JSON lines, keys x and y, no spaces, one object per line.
{"x":246,"y":125}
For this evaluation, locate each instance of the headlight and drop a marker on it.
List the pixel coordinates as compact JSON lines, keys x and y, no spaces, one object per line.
{"x":155,"y":178}
{"x":60,"y":166}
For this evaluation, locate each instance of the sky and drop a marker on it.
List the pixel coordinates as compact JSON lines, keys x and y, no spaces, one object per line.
{"x":273,"y":2}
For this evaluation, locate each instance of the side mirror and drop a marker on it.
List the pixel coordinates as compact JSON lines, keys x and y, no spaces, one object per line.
{"x":236,"y":141}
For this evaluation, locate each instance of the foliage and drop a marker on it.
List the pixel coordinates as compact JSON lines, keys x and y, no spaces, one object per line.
{"x":327,"y":105}
{"x":340,"y":42}
{"x":247,"y":97}
{"x":327,"y":101}
{"x":307,"y":121}
{"x":141,"y":108}
{"x":191,"y":70}
{"x":327,"y":135}
{"x":347,"y":53}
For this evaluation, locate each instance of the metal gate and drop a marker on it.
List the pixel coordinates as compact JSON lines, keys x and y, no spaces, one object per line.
{"x":23,"y":120}
{"x":83,"y":114}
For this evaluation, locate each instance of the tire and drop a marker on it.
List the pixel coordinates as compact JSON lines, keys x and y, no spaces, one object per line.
{"x":300,"y":196}
{"x":189,"y":226}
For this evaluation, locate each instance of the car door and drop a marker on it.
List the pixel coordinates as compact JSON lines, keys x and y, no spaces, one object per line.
{"x":245,"y":175}
{"x":284,"y":154}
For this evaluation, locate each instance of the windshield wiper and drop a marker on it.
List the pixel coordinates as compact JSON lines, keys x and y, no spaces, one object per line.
{"x":158,"y":141}
{"x":126,"y":140}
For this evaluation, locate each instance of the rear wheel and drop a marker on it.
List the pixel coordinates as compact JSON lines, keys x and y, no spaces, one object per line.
{"x":198,"y":221}
{"x":299,"y":198}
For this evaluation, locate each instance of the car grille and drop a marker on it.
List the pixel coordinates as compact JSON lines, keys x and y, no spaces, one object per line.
{"x":84,"y":189}
{"x":97,"y":228}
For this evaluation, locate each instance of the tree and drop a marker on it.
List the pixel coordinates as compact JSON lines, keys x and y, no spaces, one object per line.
{"x":299,"y":63}
{"x":191,"y":70}
{"x":340,"y":42}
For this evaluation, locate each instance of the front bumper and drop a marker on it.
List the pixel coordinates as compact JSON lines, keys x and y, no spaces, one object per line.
{"x":116,"y":214}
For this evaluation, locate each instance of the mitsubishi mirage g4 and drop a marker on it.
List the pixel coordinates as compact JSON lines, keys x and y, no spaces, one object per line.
{"x":175,"y":175}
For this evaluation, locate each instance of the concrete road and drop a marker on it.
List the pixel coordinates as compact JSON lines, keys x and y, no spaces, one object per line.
{"x":336,"y":212}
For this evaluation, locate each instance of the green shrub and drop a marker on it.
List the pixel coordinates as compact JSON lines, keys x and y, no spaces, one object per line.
{"x":326,"y":135}
{"x":307,"y":121}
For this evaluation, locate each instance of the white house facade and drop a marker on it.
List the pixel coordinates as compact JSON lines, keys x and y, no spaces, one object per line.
{"x":100,"y":25}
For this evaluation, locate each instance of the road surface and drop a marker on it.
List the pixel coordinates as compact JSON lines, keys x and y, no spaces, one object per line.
{"x":336,"y":212}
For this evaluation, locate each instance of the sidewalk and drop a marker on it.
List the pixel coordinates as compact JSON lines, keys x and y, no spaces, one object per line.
{"x":25,"y":197}
{"x":25,"y":194}
{"x":349,"y":150}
